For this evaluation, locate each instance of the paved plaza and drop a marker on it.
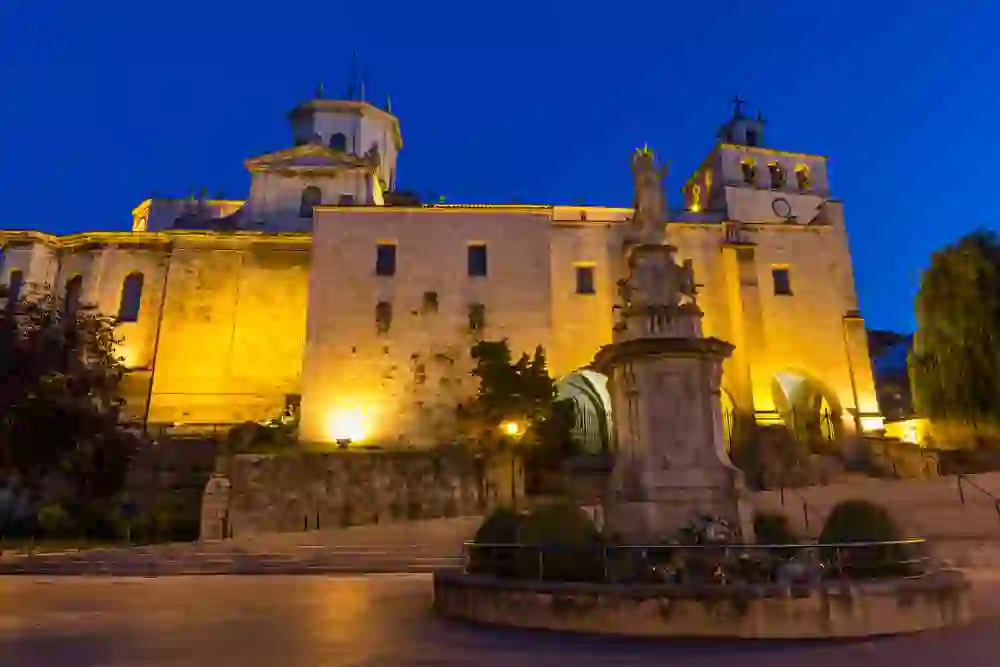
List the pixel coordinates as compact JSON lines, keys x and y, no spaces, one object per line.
{"x":377,"y":621}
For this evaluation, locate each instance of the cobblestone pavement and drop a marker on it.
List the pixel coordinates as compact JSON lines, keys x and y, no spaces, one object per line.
{"x":378,"y":621}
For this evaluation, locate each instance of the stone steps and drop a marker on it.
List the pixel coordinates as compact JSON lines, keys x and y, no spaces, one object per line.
{"x":133,"y":564}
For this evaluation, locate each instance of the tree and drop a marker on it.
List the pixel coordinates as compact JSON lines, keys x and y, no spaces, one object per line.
{"x":521,"y":393}
{"x":60,"y":398}
{"x":955,"y":361}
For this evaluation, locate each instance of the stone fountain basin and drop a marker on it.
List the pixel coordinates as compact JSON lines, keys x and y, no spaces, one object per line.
{"x":770,"y":611}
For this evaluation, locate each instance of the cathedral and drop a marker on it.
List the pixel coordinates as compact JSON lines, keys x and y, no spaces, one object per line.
{"x":330,"y":294}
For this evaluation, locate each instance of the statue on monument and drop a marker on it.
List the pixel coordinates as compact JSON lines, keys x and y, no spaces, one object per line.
{"x":650,"y":210}
{"x":671,"y":464}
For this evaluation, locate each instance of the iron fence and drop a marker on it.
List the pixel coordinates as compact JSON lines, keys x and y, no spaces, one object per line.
{"x":719,"y":564}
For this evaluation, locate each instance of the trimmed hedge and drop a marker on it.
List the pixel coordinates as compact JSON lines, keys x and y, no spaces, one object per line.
{"x":864,"y":521}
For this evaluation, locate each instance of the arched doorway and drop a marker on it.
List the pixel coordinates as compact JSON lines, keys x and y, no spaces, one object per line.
{"x":807,"y":408}
{"x":589,"y":392}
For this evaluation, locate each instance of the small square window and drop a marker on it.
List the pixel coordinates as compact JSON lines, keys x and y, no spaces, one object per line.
{"x":430,"y":302}
{"x":477,"y":261}
{"x":477,"y":317}
{"x":585,"y":280}
{"x":385,"y":259}
{"x":782,"y":282}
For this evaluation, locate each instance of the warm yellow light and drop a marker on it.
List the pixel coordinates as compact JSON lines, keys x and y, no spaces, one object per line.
{"x":511,"y":428}
{"x":348,"y":424}
{"x":872,"y":423}
{"x":128,"y":356}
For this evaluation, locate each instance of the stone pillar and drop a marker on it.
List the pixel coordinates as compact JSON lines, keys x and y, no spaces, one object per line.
{"x":868,"y":415}
{"x":672,"y":465}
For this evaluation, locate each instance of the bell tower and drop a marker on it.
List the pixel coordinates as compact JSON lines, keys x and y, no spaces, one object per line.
{"x":742,"y":130}
{"x":743,"y":180}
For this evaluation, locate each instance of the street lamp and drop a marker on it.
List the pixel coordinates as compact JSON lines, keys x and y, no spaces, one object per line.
{"x":513,"y":430}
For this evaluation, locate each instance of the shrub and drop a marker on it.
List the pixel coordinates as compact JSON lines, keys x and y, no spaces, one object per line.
{"x":559,"y":523}
{"x":502,"y":526}
{"x":253,"y":438}
{"x":864,"y":521}
{"x":567,"y":540}
{"x":54,"y":521}
{"x":773,"y":528}
{"x":571,"y":542}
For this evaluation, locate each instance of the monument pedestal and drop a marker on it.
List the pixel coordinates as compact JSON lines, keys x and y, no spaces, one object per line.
{"x":671,"y":464}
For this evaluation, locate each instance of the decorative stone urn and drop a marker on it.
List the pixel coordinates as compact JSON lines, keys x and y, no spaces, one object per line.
{"x":664,"y":376}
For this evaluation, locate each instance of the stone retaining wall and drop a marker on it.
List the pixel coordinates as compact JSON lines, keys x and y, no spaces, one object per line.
{"x":304,"y":491}
{"x":771,"y":612}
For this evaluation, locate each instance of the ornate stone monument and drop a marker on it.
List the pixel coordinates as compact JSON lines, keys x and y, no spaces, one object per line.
{"x":664,"y":376}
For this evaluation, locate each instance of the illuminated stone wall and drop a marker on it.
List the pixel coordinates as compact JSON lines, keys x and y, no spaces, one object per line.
{"x":233,"y":340}
{"x":232,"y":332}
{"x":312,"y":491}
{"x":404,"y":383}
{"x":233,"y":317}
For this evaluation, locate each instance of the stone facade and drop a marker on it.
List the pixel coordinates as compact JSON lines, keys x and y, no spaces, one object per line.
{"x":248,"y":306}
{"x":314,"y":491}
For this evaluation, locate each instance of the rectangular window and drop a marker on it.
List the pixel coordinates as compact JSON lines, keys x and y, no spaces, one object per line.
{"x":477,"y":317}
{"x":430,"y":302}
{"x":14,"y":287}
{"x":385,"y":259}
{"x":383,"y":317}
{"x":477,"y":260}
{"x":585,"y":280}
{"x":782,"y":282}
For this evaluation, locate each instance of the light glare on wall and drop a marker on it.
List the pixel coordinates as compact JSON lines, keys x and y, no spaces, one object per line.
{"x":349,"y":425}
{"x":872,"y":424}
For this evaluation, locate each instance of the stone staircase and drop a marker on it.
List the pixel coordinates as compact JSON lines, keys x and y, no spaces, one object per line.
{"x":410,"y":547}
{"x":963,"y":527}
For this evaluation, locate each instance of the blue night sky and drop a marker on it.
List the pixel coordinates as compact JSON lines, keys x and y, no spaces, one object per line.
{"x":105,"y":103}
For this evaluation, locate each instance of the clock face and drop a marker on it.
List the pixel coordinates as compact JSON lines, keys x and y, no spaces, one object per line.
{"x":781,"y":208}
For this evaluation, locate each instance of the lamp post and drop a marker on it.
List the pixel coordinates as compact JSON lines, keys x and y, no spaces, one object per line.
{"x":513,"y":430}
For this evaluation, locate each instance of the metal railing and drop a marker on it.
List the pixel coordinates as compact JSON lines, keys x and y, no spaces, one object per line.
{"x":801,"y":498}
{"x":961,"y":479}
{"x":719,"y":564}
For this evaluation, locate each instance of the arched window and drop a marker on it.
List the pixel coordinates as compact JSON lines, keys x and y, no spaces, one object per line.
{"x":749,"y":170}
{"x":311,"y":197}
{"x":338,"y":141}
{"x":802,"y":177}
{"x":131,"y":299}
{"x":777,"y":176}
{"x":71,"y":297}
{"x":14,"y":287}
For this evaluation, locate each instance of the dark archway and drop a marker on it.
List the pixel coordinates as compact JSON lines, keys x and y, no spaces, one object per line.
{"x":589,"y":392}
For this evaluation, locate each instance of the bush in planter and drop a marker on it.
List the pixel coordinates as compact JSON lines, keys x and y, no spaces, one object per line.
{"x":571,"y":548}
{"x":501,"y":527}
{"x":773,"y":528}
{"x":864,"y":521}
{"x":568,"y":545}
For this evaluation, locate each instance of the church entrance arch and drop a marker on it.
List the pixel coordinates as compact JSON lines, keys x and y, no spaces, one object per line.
{"x":589,"y":392}
{"x":807,"y":408}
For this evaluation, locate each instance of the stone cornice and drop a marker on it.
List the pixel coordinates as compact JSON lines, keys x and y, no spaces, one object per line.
{"x":278,"y":160}
{"x":87,"y":241}
{"x":639,"y":348}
